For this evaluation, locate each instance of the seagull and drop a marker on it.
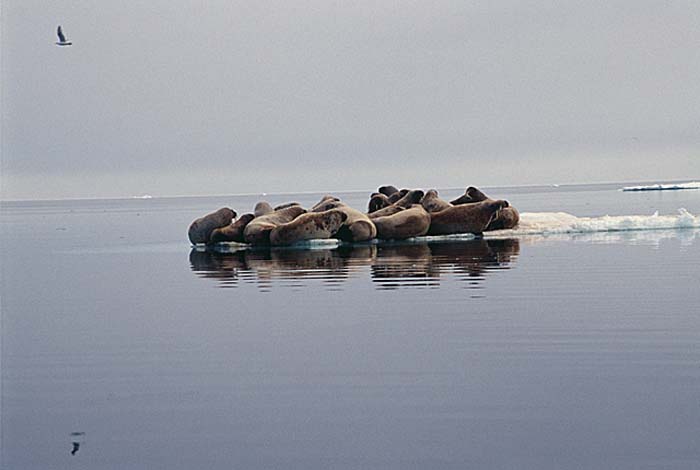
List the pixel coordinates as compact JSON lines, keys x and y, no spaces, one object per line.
{"x":61,"y":38}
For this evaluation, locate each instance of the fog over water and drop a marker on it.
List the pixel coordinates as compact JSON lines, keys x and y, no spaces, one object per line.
{"x":234,"y":97}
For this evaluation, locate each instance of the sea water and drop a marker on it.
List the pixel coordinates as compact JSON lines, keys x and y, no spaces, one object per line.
{"x":572,"y":342}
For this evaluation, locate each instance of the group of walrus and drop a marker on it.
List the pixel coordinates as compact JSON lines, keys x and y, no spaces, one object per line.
{"x":392,"y":214}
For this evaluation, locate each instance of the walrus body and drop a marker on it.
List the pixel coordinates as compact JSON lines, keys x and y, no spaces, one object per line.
{"x":200,"y":230}
{"x":232,"y":232}
{"x":309,"y":226}
{"x":465,"y":218}
{"x":358,"y":227}
{"x":257,"y":232}
{"x":285,"y":205}
{"x":411,"y":222}
{"x":411,"y":197}
{"x":432,"y":203}
{"x":507,"y":218}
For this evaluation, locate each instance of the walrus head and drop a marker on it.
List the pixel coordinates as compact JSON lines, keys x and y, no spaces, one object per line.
{"x":495,"y":208}
{"x":388,"y":190}
{"x":415,"y":195}
{"x":377,"y":201}
{"x":430,"y":194}
{"x":475,"y":195}
{"x":262,"y":208}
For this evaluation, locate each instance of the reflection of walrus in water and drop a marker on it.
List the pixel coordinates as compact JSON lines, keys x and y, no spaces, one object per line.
{"x":403,"y":265}
{"x":267,"y":263}
{"x":392,"y":266}
{"x":475,"y":257}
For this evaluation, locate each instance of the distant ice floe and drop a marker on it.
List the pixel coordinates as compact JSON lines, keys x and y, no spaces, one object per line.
{"x":664,"y":187}
{"x":143,"y":196}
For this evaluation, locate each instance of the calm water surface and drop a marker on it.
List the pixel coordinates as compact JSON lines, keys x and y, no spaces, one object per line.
{"x":538,"y":352}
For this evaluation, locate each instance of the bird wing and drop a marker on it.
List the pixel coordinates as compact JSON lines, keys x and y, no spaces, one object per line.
{"x":61,"y":37}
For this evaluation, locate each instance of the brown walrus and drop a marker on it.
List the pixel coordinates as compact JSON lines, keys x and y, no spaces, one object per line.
{"x":387,"y":190}
{"x":471,"y":194}
{"x":393,"y":197}
{"x":257,"y":232}
{"x":465,"y":218}
{"x":262,"y":208}
{"x":232,"y":232}
{"x":358,"y":227}
{"x":432,"y":203}
{"x":411,"y":197}
{"x":507,"y":218}
{"x":200,"y":230}
{"x":309,"y":226}
{"x":411,"y":222}
{"x":285,"y":205}
{"x":324,"y":201}
{"x":377,"y":201}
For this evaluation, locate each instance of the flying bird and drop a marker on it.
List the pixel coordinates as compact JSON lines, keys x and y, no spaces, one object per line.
{"x":61,"y":38}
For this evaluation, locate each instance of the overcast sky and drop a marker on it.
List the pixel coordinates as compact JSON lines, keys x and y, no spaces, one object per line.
{"x":214,"y":97}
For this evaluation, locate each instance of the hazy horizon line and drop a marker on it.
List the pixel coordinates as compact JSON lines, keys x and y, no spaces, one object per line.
{"x":147,"y":196}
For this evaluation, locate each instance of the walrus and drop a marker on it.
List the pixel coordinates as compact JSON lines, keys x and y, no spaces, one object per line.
{"x":309,"y":226}
{"x":393,"y":197}
{"x":465,"y":218}
{"x":358,"y":227}
{"x":232,"y":232}
{"x":200,"y":230}
{"x":257,"y":232}
{"x":324,"y":200}
{"x":432,"y":203}
{"x":471,"y":194}
{"x":411,"y":197}
{"x":411,"y":222}
{"x":507,"y":218}
{"x":377,"y":201}
{"x":285,"y":205}
{"x":262,"y":208}
{"x":387,"y":190}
